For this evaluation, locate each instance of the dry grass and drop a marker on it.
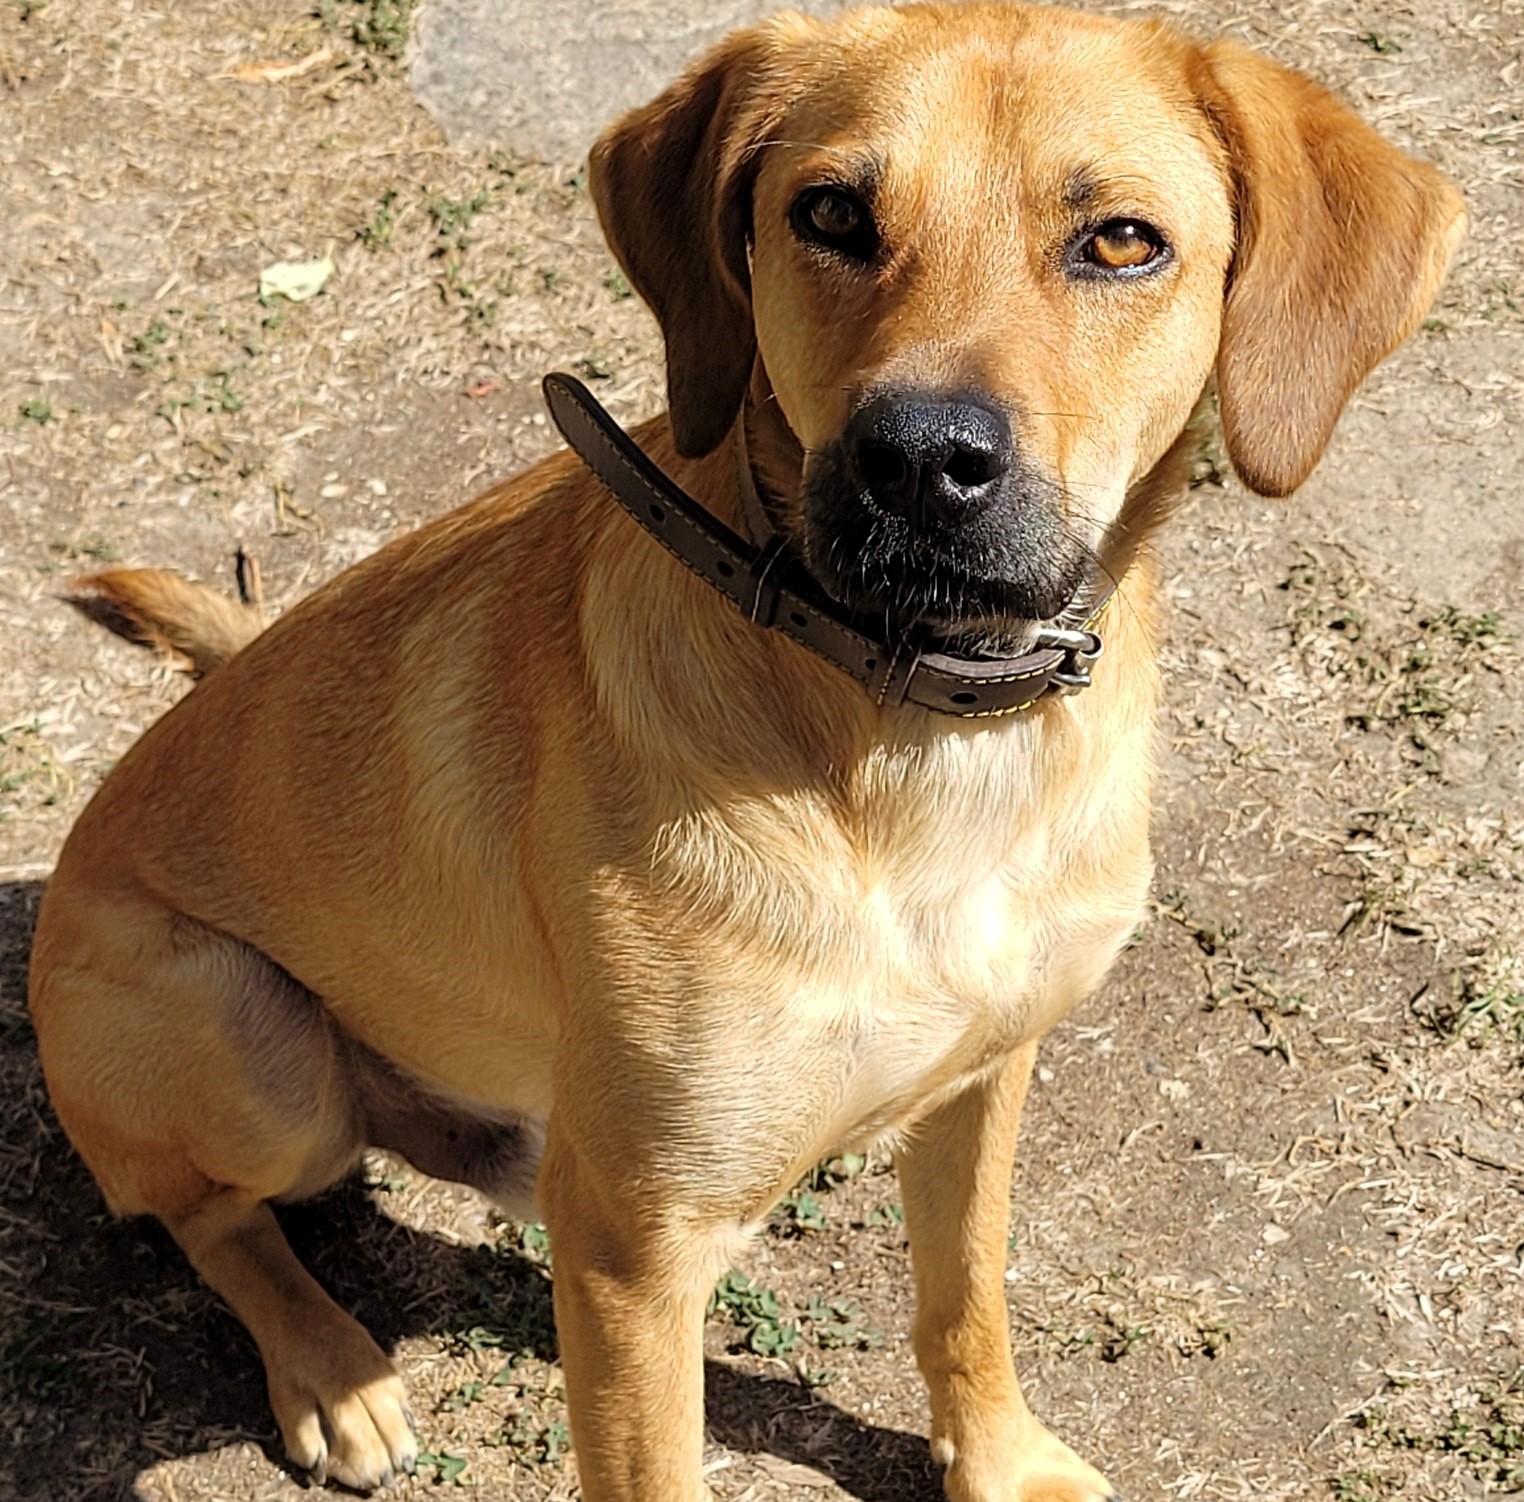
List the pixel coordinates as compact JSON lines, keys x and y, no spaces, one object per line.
{"x":1266,"y":1235}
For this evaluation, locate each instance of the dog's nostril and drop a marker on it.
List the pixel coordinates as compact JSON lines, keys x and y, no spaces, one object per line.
{"x":972,"y":468}
{"x":882,"y":466}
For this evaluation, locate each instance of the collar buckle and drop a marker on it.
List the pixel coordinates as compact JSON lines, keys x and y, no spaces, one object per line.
{"x":1080,"y":648}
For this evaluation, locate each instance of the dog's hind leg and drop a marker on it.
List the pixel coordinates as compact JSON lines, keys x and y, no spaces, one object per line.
{"x":199,"y":1081}
{"x":956,"y":1176}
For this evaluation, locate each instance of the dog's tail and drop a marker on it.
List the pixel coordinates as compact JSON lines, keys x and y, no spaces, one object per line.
{"x":197,"y":628}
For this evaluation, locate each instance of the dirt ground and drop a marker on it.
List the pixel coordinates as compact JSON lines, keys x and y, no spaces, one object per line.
{"x":1268,"y":1227}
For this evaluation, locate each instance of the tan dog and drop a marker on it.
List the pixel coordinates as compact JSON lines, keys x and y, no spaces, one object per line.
{"x":519,"y":851}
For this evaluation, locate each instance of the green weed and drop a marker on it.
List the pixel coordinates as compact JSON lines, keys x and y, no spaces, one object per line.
{"x":507,"y":1305}
{"x":1483,"y":1005}
{"x":377,"y":233}
{"x":799,"y":1212}
{"x":148,"y":348}
{"x":454,"y":216}
{"x":837,"y":1324}
{"x":379,"y":27}
{"x":467,"y":1395}
{"x":835,"y":1171}
{"x":447,"y":1469}
{"x":757,"y":1313}
{"x":536,"y":1442}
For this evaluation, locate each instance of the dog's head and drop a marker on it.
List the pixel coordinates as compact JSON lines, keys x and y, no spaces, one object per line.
{"x":983,"y":259}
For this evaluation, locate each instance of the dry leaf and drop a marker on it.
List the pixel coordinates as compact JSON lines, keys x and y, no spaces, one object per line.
{"x":278,"y":72}
{"x":295,"y":280}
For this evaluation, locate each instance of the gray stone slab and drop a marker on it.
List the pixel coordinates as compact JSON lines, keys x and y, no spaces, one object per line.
{"x":540,"y":77}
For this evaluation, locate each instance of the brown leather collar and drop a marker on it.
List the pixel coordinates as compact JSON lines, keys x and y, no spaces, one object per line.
{"x":771,"y":588}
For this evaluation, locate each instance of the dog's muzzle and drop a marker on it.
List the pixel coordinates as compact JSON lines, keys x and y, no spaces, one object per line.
{"x":925,"y":511}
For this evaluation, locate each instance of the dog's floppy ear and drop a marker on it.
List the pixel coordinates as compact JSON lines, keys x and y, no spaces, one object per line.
{"x":1342,"y":243}
{"x":672,"y":182}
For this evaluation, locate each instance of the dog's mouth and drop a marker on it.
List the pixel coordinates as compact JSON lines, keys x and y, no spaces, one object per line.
{"x":981,"y":585}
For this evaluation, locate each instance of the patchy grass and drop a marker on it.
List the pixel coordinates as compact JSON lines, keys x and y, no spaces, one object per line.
{"x":1416,"y":670}
{"x":1361,"y":1486}
{"x":1236,"y":978}
{"x":1484,"y":1432}
{"x":71,"y":552}
{"x":149,"y":349}
{"x":30,"y":773}
{"x":376,"y":233}
{"x":379,"y":28}
{"x":1485,"y":1004}
{"x":453,"y":217}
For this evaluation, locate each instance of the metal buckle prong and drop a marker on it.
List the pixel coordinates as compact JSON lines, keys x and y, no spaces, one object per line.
{"x":1080,"y":649}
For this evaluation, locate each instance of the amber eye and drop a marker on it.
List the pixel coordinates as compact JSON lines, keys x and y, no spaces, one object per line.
{"x":835,"y":219}
{"x":1122,"y":246}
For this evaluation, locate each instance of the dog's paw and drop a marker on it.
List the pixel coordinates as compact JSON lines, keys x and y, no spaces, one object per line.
{"x":1035,"y":1466}
{"x":344,"y":1416}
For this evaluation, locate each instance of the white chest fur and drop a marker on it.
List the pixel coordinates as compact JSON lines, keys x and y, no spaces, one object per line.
{"x":904,"y":926}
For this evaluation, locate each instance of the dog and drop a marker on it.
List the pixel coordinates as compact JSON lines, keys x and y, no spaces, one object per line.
{"x":518,"y":850}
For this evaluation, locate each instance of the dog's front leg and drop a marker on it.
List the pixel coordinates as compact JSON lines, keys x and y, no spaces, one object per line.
{"x":956,"y":1178}
{"x":631,"y":1284}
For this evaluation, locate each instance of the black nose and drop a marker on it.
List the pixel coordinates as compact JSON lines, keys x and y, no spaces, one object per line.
{"x":929,"y":460}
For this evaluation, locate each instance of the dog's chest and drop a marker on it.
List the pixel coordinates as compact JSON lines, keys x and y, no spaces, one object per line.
{"x":890,"y":957}
{"x":932,"y":991}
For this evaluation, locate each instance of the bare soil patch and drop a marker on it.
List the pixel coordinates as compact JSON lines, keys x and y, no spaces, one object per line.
{"x":1267,"y":1229}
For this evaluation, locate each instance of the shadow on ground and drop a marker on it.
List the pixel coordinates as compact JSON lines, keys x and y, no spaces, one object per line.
{"x":761,"y":1415}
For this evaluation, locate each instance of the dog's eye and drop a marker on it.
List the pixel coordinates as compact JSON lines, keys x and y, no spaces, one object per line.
{"x":1121,"y":246}
{"x":834,"y":215}
{"x":836,"y":219}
